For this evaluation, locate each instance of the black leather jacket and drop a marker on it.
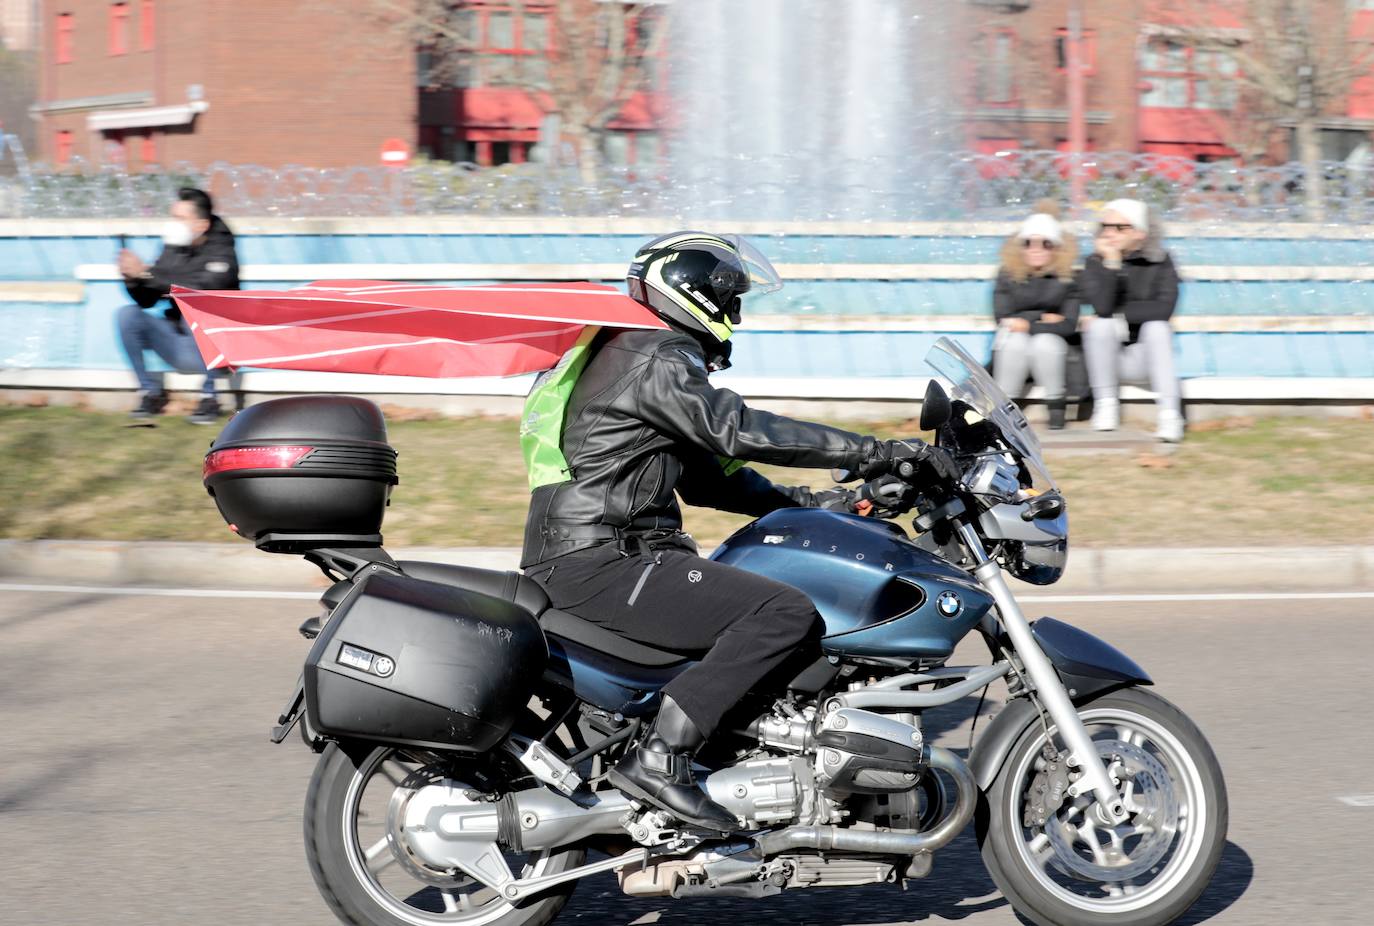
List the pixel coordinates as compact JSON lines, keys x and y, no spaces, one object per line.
{"x":212,"y":264}
{"x":643,"y":423}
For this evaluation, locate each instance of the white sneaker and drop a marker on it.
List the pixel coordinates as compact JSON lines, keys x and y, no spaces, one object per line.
{"x":1170,"y":429}
{"x":1106,"y":414}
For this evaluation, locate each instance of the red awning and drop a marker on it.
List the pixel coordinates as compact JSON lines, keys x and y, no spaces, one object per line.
{"x":403,"y":329}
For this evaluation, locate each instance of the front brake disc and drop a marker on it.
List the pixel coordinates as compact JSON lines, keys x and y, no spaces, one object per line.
{"x":1156,"y":813}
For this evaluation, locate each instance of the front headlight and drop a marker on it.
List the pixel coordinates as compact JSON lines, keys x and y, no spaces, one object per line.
{"x":1035,"y":550}
{"x":1038,"y":563}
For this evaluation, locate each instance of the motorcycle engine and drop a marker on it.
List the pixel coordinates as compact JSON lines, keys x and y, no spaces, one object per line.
{"x":849,"y":752}
{"x":762,"y":792}
{"x":862,"y":752}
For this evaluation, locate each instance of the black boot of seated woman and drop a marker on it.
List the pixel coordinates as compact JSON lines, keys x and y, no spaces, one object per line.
{"x":659,"y":771}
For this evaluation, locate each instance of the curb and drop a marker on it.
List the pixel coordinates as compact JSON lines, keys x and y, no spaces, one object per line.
{"x":198,"y":565}
{"x":1102,"y":571}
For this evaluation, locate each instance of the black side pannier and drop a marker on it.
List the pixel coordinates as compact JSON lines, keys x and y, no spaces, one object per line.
{"x":420,"y":663}
{"x":304,"y":472}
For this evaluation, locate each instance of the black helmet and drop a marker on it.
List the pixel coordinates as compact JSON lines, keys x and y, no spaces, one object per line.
{"x":694,"y":280}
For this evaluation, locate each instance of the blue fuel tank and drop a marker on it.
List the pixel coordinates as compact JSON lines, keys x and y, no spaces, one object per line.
{"x":879,"y":593}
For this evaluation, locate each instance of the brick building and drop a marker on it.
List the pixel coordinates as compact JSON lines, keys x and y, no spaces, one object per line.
{"x":242,"y":81}
{"x":482,"y":111}
{"x":317,"y":82}
{"x":1146,"y":91}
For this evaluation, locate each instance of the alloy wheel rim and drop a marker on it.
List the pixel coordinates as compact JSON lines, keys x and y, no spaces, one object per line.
{"x":1162,"y":785}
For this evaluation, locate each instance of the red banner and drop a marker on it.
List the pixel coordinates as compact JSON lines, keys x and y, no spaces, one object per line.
{"x":403,"y":329}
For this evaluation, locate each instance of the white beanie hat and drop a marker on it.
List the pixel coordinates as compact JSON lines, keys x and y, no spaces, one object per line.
{"x":1133,"y":210}
{"x":1042,"y":225}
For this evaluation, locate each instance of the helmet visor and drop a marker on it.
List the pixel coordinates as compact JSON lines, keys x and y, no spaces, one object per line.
{"x":763,"y":276}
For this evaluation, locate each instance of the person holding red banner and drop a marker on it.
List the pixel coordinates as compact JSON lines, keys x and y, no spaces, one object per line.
{"x":198,"y":252}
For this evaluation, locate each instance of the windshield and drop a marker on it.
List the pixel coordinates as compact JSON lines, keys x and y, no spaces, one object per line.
{"x":966,"y":381}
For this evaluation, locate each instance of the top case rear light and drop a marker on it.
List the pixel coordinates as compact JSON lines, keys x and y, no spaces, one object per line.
{"x":235,"y":458}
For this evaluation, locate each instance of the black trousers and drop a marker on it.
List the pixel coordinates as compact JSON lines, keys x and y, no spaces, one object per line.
{"x":745,"y":625}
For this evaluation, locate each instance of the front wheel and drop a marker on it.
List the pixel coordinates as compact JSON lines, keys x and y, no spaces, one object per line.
{"x":1059,"y":865}
{"x":369,"y":876}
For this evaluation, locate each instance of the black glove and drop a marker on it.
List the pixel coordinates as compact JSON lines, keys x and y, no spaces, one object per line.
{"x":889,"y":455}
{"x":881,"y":497}
{"x":836,"y":499}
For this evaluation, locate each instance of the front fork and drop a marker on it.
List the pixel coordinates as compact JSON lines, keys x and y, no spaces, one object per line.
{"x":1082,"y":753}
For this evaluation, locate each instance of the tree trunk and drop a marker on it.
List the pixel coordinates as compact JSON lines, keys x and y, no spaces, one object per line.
{"x":588,"y":157}
{"x":588,"y":153}
{"x":1310,"y":154}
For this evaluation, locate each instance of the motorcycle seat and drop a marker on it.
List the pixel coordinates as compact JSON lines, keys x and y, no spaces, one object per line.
{"x":508,"y":586}
{"x":571,"y":627}
{"x":527,"y":593}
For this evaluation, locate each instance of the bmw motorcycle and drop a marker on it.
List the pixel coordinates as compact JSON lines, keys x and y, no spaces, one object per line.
{"x":465,"y":729}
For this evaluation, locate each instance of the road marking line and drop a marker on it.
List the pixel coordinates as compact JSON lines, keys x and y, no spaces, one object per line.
{"x":155,"y":592}
{"x":1219,"y":596}
{"x":1357,"y":800}
{"x":1045,"y":599}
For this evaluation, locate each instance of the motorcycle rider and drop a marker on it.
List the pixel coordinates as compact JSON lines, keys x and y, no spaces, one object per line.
{"x":627,"y":420}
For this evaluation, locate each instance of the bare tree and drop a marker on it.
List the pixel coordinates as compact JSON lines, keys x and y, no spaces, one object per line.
{"x":1293,"y":62}
{"x":601,"y":53}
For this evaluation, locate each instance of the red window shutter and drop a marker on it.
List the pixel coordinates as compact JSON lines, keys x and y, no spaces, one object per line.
{"x":147,"y":25}
{"x":62,"y":38}
{"x":119,"y":28}
{"x":62,"y":148}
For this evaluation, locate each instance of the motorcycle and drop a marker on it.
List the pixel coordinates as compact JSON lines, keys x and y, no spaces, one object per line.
{"x":465,"y":728}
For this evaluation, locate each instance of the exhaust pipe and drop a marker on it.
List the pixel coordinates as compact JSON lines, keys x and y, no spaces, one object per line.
{"x":848,"y":840}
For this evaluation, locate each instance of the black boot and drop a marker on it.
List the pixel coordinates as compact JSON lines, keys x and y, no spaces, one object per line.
{"x":207,"y":412}
{"x":150,"y":405}
{"x":659,"y":771}
{"x":1056,"y":410}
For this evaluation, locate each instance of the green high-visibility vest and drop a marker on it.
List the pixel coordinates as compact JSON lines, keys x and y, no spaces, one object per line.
{"x":546,"y":407}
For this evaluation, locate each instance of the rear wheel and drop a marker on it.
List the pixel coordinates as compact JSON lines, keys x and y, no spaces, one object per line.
{"x":366,"y":873}
{"x":1060,"y":865}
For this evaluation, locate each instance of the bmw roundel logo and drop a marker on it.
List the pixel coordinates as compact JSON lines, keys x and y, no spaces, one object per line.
{"x":948,"y":604}
{"x":383,"y":666}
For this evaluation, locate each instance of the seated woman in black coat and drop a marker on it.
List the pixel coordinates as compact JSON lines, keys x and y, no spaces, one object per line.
{"x":1133,"y":287}
{"x":1035,"y":302}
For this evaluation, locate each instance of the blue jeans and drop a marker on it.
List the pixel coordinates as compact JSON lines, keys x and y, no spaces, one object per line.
{"x":141,"y":331}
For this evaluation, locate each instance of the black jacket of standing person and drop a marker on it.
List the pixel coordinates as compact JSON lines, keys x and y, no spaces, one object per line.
{"x":1034,"y":297}
{"x":211,"y":264}
{"x":1143,"y":289}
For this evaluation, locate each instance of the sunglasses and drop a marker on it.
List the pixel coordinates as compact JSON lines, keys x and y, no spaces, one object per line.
{"x":1116,"y":226}
{"x":1029,"y":243}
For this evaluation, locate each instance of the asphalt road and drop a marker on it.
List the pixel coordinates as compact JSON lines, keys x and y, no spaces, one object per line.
{"x":138,"y":786}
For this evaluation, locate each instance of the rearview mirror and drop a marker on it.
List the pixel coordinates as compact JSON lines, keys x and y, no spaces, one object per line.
{"x":935,"y":407}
